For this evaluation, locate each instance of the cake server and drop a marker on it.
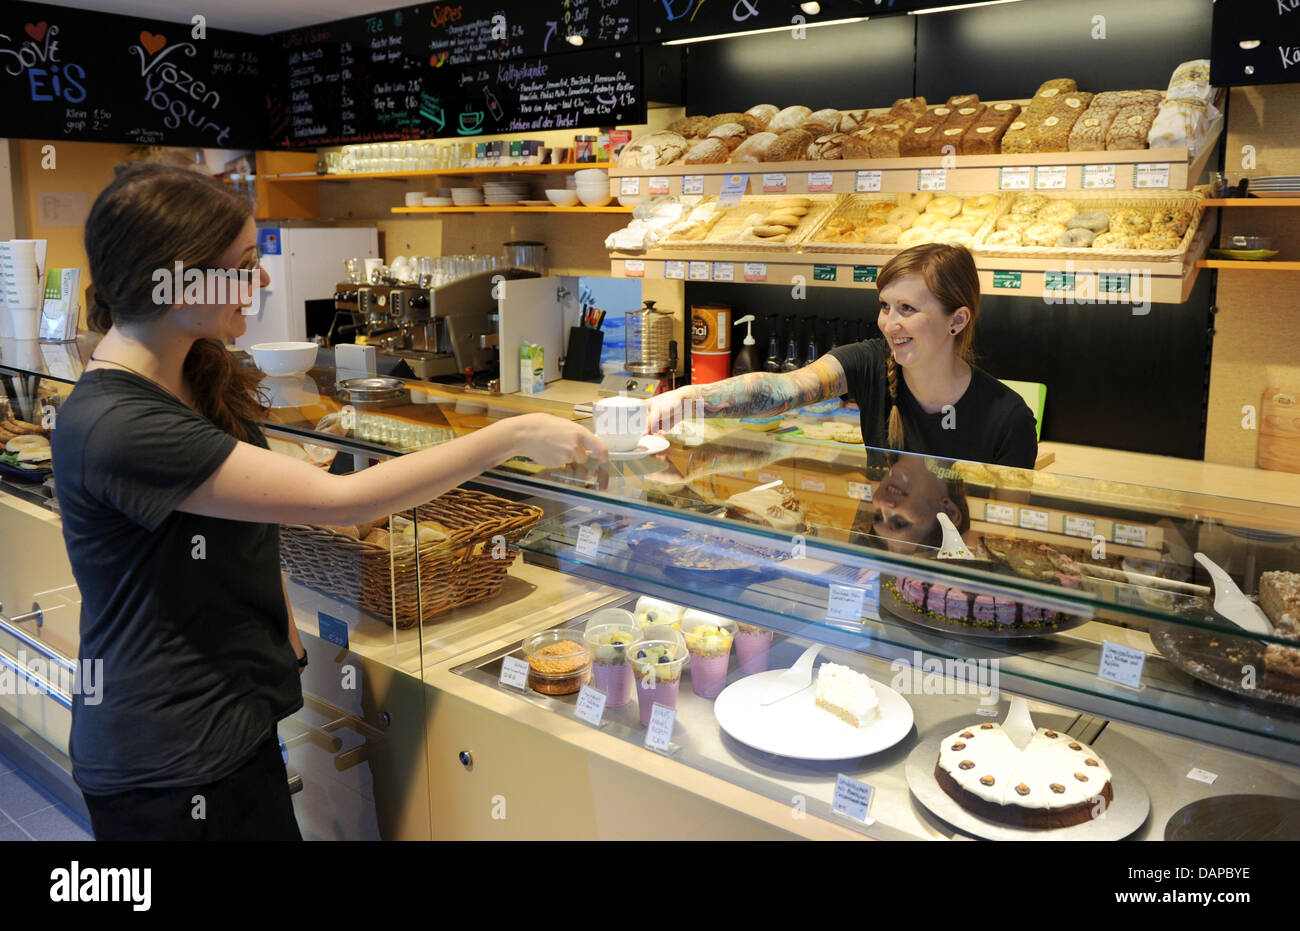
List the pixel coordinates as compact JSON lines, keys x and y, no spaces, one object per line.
{"x":794,"y":680}
{"x":1018,"y":725}
{"x":954,"y":547}
{"x":1231,"y":603}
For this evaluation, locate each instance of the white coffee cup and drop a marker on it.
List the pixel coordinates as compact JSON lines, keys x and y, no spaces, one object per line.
{"x":620,"y":422}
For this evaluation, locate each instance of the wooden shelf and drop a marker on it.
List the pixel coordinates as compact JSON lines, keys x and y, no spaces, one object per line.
{"x":440,"y":173}
{"x":1252,"y":201}
{"x":1267,"y":265}
{"x":486,"y":209}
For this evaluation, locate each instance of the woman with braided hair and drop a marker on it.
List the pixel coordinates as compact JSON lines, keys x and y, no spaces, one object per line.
{"x":917,"y":387}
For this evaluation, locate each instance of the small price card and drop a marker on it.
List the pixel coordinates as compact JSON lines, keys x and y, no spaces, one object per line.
{"x":1033,"y":520}
{"x":629,"y":186}
{"x":1015,"y":179}
{"x":724,"y":271}
{"x":1050,"y":178}
{"x":1006,"y":280}
{"x":675,"y":269}
{"x":693,"y":184}
{"x":658,"y":185}
{"x":853,"y":799}
{"x":865,"y":182}
{"x":588,"y":545}
{"x":699,"y":271}
{"x":774,"y":182}
{"x":1058,"y":281}
{"x":844,"y":603}
{"x":1129,"y":533}
{"x":825,"y":272}
{"x":865,"y":274}
{"x":859,"y":491}
{"x":756,"y":271}
{"x":1152,"y":175}
{"x":812,"y":484}
{"x":332,"y":630}
{"x":820,"y":182}
{"x":1096,"y":177}
{"x":660,"y":732}
{"x":1000,"y":513}
{"x":1202,"y":775}
{"x":634,"y":268}
{"x":1121,"y":665}
{"x":1113,"y":283}
{"x":514,"y":673}
{"x":932,"y":179}
{"x":1079,"y":526}
{"x":591,"y":706}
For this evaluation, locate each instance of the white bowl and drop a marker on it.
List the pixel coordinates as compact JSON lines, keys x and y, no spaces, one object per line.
{"x":591,"y":174}
{"x":595,"y":199}
{"x":284,"y":359}
{"x":562,"y":197}
{"x":414,"y":198}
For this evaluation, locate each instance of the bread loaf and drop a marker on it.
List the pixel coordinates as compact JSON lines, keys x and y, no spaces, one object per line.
{"x":1089,"y":132}
{"x":965,"y":117}
{"x":907,"y":108}
{"x":754,"y":148}
{"x":1119,"y":99}
{"x":851,"y":121}
{"x":688,"y":127}
{"x":763,"y":112}
{"x":884,"y":142}
{"x":983,"y":139}
{"x":964,"y":100}
{"x":791,"y":146}
{"x":932,"y":117}
{"x":1019,"y":137}
{"x":732,"y":134}
{"x":788,"y":119}
{"x":1130,"y":128}
{"x":828,"y":146}
{"x":744,"y":119}
{"x":821,"y":122}
{"x":950,"y":140}
{"x":1053,"y":134}
{"x":858,"y":143}
{"x":920,"y":140}
{"x":708,"y":152}
{"x":652,"y":150}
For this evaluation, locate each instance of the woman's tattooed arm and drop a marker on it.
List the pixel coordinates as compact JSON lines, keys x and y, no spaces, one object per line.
{"x":756,"y":394}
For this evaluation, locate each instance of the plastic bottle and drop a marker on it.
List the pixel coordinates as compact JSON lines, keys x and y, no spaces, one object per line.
{"x":791,"y":360}
{"x":747,"y":359}
{"x":773,"y":361}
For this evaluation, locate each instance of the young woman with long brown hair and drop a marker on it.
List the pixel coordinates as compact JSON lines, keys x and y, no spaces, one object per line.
{"x":170,"y":502}
{"x":917,"y":387}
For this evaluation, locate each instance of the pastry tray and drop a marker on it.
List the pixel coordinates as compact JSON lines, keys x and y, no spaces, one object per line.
{"x":1217,"y":658}
{"x":907,"y":612}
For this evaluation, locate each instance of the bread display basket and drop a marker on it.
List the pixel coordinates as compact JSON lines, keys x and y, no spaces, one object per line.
{"x":464,"y":564}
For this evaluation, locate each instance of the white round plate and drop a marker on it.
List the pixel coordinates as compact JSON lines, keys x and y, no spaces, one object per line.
{"x":649,"y":445}
{"x":795,"y":727}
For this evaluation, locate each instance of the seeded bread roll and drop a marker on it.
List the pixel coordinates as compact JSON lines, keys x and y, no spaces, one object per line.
{"x":763,"y":112}
{"x":1089,"y":132}
{"x":708,"y":152}
{"x":851,"y":121}
{"x":1130,"y":128}
{"x":791,"y":146}
{"x":920,"y":140}
{"x":829,"y":146}
{"x":1019,"y":137}
{"x":821,"y":122}
{"x":732,"y":134}
{"x":788,"y":119}
{"x":754,"y":148}
{"x":1129,"y":220}
{"x":909,"y":108}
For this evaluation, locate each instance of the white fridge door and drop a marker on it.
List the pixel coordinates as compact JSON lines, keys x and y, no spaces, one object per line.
{"x":530,"y":309}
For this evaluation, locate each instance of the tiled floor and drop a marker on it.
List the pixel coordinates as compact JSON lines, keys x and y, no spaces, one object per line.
{"x":27,"y":813}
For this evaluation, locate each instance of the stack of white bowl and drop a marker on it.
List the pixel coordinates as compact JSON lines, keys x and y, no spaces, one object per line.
{"x":22,"y":271}
{"x":504,"y":193}
{"x":467,"y":196}
{"x":593,"y":186}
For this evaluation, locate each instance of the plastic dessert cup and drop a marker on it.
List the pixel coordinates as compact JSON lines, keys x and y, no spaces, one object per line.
{"x":710,"y":649}
{"x":610,"y":670}
{"x":657,"y":668}
{"x":559,"y":662}
{"x":753,"y":645}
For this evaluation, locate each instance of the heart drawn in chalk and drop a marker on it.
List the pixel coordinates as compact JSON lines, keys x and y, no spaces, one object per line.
{"x":37,"y":31}
{"x":152,"y":43}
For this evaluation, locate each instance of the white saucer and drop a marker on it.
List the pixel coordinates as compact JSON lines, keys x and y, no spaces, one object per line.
{"x":649,"y":445}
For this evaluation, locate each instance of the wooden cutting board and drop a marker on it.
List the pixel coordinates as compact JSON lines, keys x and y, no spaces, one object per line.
{"x":1279,"y":430}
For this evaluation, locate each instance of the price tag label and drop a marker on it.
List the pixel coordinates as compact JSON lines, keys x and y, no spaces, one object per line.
{"x":844,"y":603}
{"x":629,"y":186}
{"x":820,"y":182}
{"x":1098,"y":176}
{"x":859,"y":491}
{"x":865,"y":182}
{"x":693,"y":184}
{"x":1050,"y":178}
{"x":699,"y":271}
{"x":634,"y":268}
{"x":676,"y":269}
{"x":774,"y":182}
{"x":1058,"y":281}
{"x":1202,"y":775}
{"x":332,"y":630}
{"x":1014,"y":179}
{"x":588,"y":545}
{"x":1121,"y":665}
{"x":852,"y":799}
{"x":825,"y":272}
{"x":755,"y":271}
{"x":812,"y":484}
{"x":514,"y":673}
{"x":1080,"y":526}
{"x":660,"y":732}
{"x":724,"y":271}
{"x":1006,"y":280}
{"x":865,"y":274}
{"x":1154,"y":174}
{"x":1033,"y":520}
{"x":932,"y":179}
{"x":591,"y":706}
{"x":733,"y":189}
{"x":1129,"y":533}
{"x":1000,"y":513}
{"x":1111,"y":283}
{"x":767,"y":476}
{"x":658,"y":186}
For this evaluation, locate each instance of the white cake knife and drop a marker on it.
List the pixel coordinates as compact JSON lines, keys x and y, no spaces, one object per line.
{"x":793,"y":680}
{"x":1231,"y":603}
{"x":1018,"y":725}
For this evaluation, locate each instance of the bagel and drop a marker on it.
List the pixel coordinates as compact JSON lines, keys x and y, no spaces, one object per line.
{"x":981,"y":205}
{"x":19,"y":443}
{"x":881,"y":210}
{"x":35,"y":458}
{"x":1098,"y":222}
{"x":1160,"y":239}
{"x":915,"y":237}
{"x":931,"y":221}
{"x":1043,"y":234}
{"x":947,"y":205}
{"x":1002,"y":238}
{"x":954,"y":237}
{"x":1114,"y":240}
{"x":1029,"y":204}
{"x":966,"y":222}
{"x":1077,"y":238}
{"x":1015,"y":222}
{"x":1128,"y":220}
{"x":918,"y":201}
{"x":1058,"y":211}
{"x":902,"y":217}
{"x":884,"y":235}
{"x":1174,"y":221}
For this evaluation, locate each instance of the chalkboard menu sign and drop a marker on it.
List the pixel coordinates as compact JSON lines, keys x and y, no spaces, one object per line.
{"x":73,"y":74}
{"x":469,"y":32}
{"x":1255,"y":42}
{"x":597,"y":88}
{"x":664,"y":20}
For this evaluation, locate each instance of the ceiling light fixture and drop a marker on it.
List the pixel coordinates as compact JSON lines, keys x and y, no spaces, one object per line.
{"x":756,"y":32}
{"x":574,"y":39}
{"x":811,"y":7}
{"x":959,"y":6}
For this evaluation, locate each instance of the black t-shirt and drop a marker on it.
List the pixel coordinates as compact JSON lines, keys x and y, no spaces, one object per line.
{"x":990,"y":423}
{"x":186,"y":612}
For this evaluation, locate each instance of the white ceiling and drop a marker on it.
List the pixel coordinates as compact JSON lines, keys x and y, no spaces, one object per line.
{"x":256,"y":16}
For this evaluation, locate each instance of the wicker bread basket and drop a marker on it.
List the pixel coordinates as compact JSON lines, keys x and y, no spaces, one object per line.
{"x":459,"y":569}
{"x":732,"y":229}
{"x":855,"y":207}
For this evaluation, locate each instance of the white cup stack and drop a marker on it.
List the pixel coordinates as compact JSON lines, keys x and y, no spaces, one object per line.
{"x":23,"y":286}
{"x":6,"y":276}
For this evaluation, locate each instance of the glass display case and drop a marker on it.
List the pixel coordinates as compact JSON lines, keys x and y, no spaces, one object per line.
{"x":726,"y":554}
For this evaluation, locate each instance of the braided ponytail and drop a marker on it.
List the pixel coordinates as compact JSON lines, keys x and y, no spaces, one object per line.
{"x":895,"y":438}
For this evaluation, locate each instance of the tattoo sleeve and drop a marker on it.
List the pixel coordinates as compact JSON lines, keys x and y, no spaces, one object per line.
{"x":766,"y":394}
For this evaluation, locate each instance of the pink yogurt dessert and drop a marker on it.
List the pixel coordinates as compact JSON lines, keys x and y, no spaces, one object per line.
{"x":657,"y":669}
{"x":710,"y":647}
{"x":752,"y":647}
{"x":615,"y":681}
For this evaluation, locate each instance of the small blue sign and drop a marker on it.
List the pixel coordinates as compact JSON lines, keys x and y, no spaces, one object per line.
{"x":332,"y":629}
{"x":268,"y":240}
